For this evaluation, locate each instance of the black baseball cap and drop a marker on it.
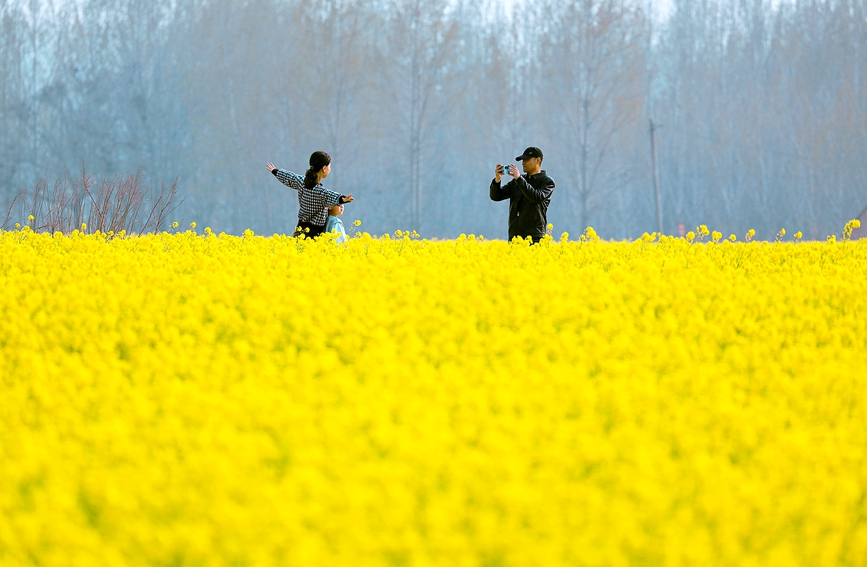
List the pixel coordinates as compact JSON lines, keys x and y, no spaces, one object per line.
{"x":530,"y":152}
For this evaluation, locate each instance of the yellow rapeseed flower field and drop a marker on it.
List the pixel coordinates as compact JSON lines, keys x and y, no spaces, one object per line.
{"x":198,"y":399}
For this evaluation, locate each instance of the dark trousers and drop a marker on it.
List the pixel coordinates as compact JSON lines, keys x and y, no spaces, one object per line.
{"x":309,"y":230}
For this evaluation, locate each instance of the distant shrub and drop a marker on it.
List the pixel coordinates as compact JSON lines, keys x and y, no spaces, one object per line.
{"x":115,"y":204}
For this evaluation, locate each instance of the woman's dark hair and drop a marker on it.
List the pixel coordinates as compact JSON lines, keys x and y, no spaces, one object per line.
{"x":318,"y":160}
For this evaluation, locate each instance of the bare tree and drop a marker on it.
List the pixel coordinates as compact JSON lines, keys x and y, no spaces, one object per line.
{"x":595,"y":66}
{"x":337,"y":36}
{"x":421,"y":80}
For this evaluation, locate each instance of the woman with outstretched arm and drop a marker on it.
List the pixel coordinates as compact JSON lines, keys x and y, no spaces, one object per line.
{"x":313,"y":198}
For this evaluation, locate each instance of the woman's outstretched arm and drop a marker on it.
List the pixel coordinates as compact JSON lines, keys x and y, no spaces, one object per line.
{"x":287,"y":178}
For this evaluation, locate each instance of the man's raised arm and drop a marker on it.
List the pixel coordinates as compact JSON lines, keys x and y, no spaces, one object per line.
{"x":534,"y":195}
{"x":498,"y":192}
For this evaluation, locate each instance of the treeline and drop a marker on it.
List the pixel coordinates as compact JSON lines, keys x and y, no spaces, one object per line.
{"x":760,"y":109}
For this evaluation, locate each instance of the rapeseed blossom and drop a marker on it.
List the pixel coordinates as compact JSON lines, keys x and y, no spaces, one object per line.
{"x":208,"y":399}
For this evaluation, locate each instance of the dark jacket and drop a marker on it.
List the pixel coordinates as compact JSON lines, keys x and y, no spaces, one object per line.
{"x":528,"y":210}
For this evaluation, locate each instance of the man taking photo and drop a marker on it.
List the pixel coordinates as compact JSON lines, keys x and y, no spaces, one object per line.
{"x":529,"y":194}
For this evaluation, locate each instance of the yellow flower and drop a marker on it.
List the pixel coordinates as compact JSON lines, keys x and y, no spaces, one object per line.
{"x":850,"y":228}
{"x":30,"y":217}
{"x":357,"y":223}
{"x":193,"y":225}
{"x":733,"y":238}
{"x":213,"y":398}
{"x":690,"y":236}
{"x":84,"y":226}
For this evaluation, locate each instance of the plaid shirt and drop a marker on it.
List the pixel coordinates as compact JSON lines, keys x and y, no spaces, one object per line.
{"x":314,"y":202}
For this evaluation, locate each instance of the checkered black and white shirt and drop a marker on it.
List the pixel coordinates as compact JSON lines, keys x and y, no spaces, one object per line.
{"x":314,"y":202}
